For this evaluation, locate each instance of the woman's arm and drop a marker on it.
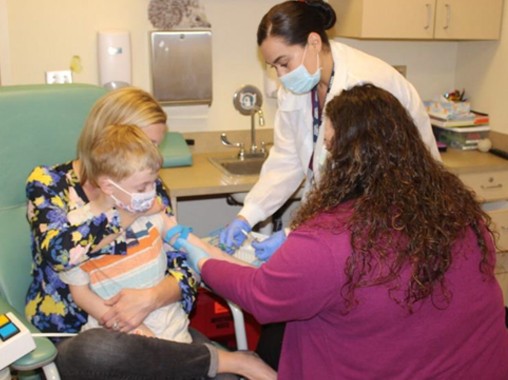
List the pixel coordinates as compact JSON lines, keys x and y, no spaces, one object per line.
{"x":214,"y":252}
{"x":65,"y":229}
{"x":178,"y":267}
{"x":299,"y":281}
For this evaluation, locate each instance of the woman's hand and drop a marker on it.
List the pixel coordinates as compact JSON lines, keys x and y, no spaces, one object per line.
{"x":130,"y":307}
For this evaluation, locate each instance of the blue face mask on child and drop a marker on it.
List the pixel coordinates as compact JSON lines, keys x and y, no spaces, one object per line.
{"x":300,"y":81}
{"x":140,"y":202}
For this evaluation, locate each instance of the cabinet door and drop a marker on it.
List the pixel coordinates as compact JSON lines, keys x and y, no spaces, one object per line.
{"x":468,"y":19}
{"x":389,"y":19}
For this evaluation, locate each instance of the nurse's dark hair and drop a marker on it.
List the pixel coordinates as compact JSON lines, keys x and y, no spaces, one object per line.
{"x":407,"y":209}
{"x":295,"y":20}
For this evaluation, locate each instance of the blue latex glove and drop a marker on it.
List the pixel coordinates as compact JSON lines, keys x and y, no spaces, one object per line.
{"x":233,"y":236}
{"x":194,"y":254}
{"x":265,"y":249}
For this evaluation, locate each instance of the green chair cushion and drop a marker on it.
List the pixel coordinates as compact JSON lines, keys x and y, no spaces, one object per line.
{"x":175,"y":150}
{"x":39,"y":124}
{"x":15,"y":257}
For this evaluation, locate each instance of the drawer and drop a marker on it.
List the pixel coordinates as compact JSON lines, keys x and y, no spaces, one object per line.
{"x":500,"y":220}
{"x":489,"y":186}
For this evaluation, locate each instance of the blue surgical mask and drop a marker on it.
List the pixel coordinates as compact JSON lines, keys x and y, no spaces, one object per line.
{"x":300,"y":81}
{"x":140,"y":202}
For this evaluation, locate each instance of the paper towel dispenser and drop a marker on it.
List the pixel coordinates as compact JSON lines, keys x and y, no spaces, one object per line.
{"x":181,"y":66}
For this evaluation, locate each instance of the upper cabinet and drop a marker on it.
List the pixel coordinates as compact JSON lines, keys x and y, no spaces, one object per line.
{"x":418,"y":19}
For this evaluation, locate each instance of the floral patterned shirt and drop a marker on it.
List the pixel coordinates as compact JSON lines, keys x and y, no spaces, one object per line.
{"x":54,"y":193}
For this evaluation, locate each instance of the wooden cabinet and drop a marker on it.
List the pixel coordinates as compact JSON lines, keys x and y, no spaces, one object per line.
{"x":487,"y":176}
{"x":492,"y":186}
{"x":418,"y":19}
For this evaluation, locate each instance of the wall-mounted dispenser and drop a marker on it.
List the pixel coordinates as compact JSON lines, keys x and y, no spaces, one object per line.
{"x":181,"y":66}
{"x":114,"y":54}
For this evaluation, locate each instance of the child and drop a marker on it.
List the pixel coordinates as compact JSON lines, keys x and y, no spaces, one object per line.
{"x":124,"y":165}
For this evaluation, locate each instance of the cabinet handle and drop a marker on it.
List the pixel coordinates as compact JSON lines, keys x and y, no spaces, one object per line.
{"x":498,"y":186}
{"x":429,"y":8}
{"x":448,"y":15}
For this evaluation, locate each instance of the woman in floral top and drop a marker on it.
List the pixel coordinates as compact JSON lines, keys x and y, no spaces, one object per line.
{"x":69,"y":224}
{"x":53,"y":192}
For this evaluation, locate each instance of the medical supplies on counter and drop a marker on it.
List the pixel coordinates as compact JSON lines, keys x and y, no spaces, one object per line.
{"x":454,"y":123}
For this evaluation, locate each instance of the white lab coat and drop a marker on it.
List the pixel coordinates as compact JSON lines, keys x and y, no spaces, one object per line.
{"x":287,"y":163}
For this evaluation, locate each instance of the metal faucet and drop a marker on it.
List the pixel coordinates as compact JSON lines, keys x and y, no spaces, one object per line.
{"x":261,"y":119}
{"x":225,"y":141}
{"x":254,"y":151}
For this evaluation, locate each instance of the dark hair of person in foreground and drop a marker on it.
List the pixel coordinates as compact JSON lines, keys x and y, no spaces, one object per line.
{"x":377,"y":159}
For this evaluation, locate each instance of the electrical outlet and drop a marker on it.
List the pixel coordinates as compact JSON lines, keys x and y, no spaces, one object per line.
{"x":61,"y":76}
{"x":402,"y":69}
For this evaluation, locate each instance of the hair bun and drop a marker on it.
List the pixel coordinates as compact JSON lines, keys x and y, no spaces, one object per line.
{"x":326,"y":11}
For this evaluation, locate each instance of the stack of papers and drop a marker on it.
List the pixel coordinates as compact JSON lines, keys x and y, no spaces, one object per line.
{"x":473,"y":119}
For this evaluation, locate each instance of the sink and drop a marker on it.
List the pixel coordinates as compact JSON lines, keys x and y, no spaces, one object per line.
{"x":235,"y":166}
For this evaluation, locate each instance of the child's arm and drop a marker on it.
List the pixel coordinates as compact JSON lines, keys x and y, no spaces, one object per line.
{"x":214,"y":252}
{"x":90,"y":302}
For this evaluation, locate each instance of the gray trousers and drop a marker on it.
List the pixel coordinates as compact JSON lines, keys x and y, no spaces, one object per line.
{"x":103,"y":354}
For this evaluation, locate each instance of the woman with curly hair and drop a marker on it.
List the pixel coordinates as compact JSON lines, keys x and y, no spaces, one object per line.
{"x":388,"y":272}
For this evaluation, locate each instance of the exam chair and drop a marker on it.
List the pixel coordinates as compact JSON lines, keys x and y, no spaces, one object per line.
{"x":39,"y":124}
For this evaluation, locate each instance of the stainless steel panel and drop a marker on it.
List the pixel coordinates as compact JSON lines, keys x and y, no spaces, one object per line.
{"x":181,"y":65}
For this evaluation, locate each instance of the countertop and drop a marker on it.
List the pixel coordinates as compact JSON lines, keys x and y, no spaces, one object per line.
{"x":459,"y":161}
{"x":203,"y":178}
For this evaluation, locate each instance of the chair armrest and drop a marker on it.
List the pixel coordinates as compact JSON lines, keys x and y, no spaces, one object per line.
{"x":45,"y":351}
{"x":239,"y":323}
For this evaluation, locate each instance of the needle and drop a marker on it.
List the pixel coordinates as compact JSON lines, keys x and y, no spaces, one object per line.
{"x":248,"y":235}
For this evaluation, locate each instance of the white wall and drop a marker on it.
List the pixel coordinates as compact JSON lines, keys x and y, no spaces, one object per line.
{"x":430,"y":64}
{"x":482,"y":70}
{"x":36,"y":36}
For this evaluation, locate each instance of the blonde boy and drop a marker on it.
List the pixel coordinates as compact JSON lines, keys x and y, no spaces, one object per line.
{"x":123,"y":165}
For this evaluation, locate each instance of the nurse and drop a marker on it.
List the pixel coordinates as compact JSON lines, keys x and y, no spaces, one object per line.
{"x":312,"y":69}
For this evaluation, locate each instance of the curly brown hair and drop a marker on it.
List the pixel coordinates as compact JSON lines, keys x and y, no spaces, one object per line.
{"x":405,"y":201}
